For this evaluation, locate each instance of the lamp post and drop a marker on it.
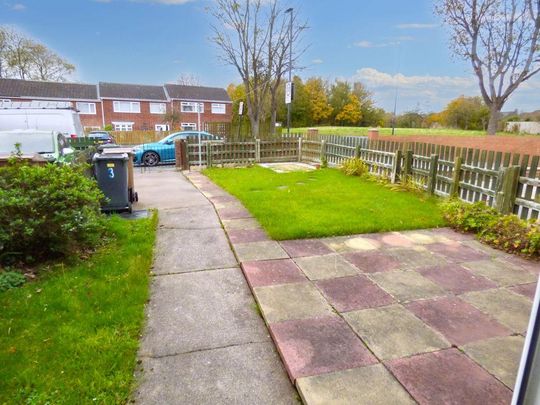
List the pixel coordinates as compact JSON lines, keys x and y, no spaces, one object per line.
{"x":289,"y":84}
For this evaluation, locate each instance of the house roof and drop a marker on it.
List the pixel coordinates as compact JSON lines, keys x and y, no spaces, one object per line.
{"x":181,"y":92}
{"x":132,"y":91}
{"x":47,"y":90}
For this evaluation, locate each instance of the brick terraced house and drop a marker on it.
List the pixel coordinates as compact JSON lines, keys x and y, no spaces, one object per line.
{"x":127,"y":107}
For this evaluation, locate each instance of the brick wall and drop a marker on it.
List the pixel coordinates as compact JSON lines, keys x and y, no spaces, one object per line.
{"x":207,"y":116}
{"x":528,"y":145}
{"x":143,"y":121}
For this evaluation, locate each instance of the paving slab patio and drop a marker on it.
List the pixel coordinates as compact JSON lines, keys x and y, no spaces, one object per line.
{"x":204,"y":340}
{"x":378,"y":318}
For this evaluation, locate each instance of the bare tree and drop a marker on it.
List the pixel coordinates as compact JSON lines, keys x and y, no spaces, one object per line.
{"x":500,"y":39}
{"x":252,"y":37}
{"x":188,"y":79}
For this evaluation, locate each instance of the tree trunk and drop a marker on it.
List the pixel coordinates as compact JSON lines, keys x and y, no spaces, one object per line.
{"x":494,"y":114}
{"x":254,"y":121}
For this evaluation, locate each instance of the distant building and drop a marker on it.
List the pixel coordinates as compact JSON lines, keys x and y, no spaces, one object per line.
{"x":524,"y":127}
{"x":127,"y":107}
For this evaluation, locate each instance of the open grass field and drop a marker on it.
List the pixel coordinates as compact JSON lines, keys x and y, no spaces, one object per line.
{"x":399,"y":131}
{"x":324,"y":202}
{"x":72,"y":336}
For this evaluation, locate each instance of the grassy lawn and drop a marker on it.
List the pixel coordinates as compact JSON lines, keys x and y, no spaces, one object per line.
{"x":399,"y":131}
{"x":324,"y":202}
{"x":72,"y":336}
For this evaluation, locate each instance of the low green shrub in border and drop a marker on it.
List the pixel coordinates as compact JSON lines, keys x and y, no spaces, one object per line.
{"x":11,"y":279}
{"x":47,"y":212}
{"x":505,"y":232}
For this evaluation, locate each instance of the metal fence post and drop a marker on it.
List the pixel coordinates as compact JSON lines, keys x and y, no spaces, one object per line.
{"x":257,"y":150}
{"x":507,"y":185}
{"x":299,"y":148}
{"x":432,"y":178}
{"x":396,"y":167}
{"x":456,"y":176}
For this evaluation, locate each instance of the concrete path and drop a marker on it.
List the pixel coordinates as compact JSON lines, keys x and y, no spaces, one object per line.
{"x":204,"y":341}
{"x":427,"y":317}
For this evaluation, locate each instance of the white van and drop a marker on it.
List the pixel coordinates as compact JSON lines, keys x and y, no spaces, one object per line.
{"x":60,"y":117}
{"x":52,"y":145}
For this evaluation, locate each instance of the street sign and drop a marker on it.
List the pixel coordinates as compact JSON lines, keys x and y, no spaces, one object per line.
{"x":289,"y":92}
{"x":241,"y":108}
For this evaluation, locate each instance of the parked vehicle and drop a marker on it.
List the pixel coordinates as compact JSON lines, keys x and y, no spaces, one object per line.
{"x":151,"y":154}
{"x":59,"y":117}
{"x":101,"y":137}
{"x":52,"y":145}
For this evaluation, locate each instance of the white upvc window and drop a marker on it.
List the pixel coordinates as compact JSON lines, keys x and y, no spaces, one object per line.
{"x":218,"y":108}
{"x":127,"y":106}
{"x":162,"y":127}
{"x":158,"y":108}
{"x":187,"y":106}
{"x":5,"y":103}
{"x":123,"y":126}
{"x":86,"y":108}
{"x":188,"y":126}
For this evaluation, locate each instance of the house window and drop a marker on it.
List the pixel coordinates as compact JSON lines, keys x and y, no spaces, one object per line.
{"x":86,"y":108}
{"x":158,"y":108}
{"x":188,"y":126}
{"x":123,"y":126}
{"x":126,"y":106}
{"x":5,"y":103}
{"x":162,"y":127}
{"x":218,"y":108}
{"x":191,"y":107}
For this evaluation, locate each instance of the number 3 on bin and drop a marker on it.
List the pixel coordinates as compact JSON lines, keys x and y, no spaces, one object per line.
{"x":111,"y":172}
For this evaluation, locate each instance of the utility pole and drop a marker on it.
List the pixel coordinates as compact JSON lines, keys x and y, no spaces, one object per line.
{"x":289,"y":89}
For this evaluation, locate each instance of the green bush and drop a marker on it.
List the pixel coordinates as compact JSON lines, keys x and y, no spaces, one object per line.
{"x":354,"y":167}
{"x":506,"y":232}
{"x":11,"y":279}
{"x":47,"y":212}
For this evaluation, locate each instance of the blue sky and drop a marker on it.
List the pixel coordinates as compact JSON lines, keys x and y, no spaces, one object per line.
{"x":386,"y":44}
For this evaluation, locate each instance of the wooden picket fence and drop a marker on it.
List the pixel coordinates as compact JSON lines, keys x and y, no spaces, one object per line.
{"x":137,"y":137}
{"x":508,"y":182}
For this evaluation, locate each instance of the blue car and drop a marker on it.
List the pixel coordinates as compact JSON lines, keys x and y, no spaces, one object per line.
{"x":151,"y":154}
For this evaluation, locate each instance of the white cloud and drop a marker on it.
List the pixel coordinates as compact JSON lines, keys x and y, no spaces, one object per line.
{"x":392,"y":42}
{"x":375,"y":78}
{"x":18,"y":7}
{"x":424,"y":92}
{"x":317,"y":61}
{"x":416,"y":26}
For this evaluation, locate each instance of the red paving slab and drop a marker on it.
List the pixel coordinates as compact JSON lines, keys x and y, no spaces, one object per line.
{"x":454,"y":278}
{"x":247,"y":235}
{"x":448,"y":377}
{"x":457,"y":252}
{"x":223,"y":199}
{"x":270,"y":272}
{"x":528,"y":290}
{"x":300,"y":248}
{"x":458,"y":321}
{"x":350,"y":293}
{"x":319,"y":345}
{"x":372,"y":262}
{"x":233,"y":213}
